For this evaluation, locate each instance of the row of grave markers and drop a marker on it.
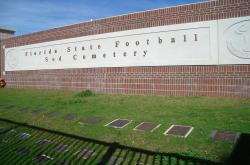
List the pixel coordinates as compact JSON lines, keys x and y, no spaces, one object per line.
{"x":61,"y":148}
{"x":174,"y":130}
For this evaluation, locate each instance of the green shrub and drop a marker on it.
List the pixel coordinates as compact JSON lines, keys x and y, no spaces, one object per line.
{"x":85,"y":93}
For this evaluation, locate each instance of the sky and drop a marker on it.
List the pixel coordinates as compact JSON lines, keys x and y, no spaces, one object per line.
{"x":27,"y":16}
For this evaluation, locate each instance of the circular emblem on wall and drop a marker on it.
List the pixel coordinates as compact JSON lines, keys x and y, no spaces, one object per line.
{"x":11,"y":59}
{"x":238,"y":39}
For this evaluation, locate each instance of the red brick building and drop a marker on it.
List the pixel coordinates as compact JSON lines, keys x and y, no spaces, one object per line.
{"x":215,"y":79}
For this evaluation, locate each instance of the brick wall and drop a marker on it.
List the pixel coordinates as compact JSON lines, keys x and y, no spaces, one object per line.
{"x":222,"y":80}
{"x":1,"y":59}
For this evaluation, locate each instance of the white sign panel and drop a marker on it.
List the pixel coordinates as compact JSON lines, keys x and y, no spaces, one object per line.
{"x":183,"y":44}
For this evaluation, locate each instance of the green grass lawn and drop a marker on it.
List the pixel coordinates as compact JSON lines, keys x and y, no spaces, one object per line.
{"x":203,"y":113}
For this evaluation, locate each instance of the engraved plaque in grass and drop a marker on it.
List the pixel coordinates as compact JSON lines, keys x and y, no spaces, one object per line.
{"x":91,"y":121}
{"x":42,"y":159}
{"x":147,"y":127}
{"x":53,"y":114}
{"x":62,"y":148}
{"x":23,"y":150}
{"x":70,"y":117}
{"x":225,"y":136}
{"x":118,"y":123}
{"x":85,"y":154}
{"x":179,"y":130}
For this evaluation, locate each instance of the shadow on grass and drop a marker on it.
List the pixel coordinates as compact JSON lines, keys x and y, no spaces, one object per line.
{"x":241,"y":152}
{"x":126,"y":155}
